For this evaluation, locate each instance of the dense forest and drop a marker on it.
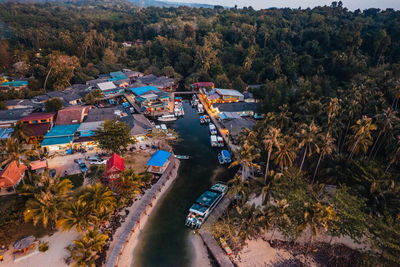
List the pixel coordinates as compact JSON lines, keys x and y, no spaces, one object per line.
{"x":330,"y":87}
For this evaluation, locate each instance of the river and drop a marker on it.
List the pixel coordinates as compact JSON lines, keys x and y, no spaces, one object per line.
{"x":165,"y":240}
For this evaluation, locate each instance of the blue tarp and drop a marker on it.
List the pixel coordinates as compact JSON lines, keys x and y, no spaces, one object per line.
{"x":142,"y":90}
{"x":125,"y":104}
{"x":159,"y":158}
{"x":57,"y":140}
{"x":62,"y":130}
{"x":5,"y":133}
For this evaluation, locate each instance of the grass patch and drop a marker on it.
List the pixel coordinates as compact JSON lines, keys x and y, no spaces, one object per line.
{"x":44,"y":247}
{"x":76,"y":179}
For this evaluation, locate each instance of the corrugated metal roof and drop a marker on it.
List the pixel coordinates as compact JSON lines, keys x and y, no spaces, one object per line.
{"x":62,"y":130}
{"x":142,"y":90}
{"x":57,"y":140}
{"x":159,"y":158}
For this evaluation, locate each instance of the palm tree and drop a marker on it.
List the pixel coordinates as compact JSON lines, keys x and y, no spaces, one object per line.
{"x":98,"y":197}
{"x":247,"y":153}
{"x":284,"y":116}
{"x":21,"y":132}
{"x":286,"y":153}
{"x":249,"y":223}
{"x":48,"y":199}
{"x":386,"y":120}
{"x":271,"y":140}
{"x":396,"y":156}
{"x":361,"y":138}
{"x":327,"y":147}
{"x":78,"y":214}
{"x":240,"y":188}
{"x":128,"y":185}
{"x":308,"y":136}
{"x":12,"y":150}
{"x":84,"y":251}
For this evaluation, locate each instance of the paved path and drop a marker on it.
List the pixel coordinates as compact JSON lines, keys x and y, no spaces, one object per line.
{"x":134,"y":217}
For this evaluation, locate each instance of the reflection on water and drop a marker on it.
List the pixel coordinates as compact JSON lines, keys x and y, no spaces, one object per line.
{"x":164,"y":241}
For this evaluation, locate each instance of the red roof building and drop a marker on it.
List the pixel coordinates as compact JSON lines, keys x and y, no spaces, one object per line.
{"x":114,"y":166}
{"x":72,"y":115}
{"x":11,"y":175}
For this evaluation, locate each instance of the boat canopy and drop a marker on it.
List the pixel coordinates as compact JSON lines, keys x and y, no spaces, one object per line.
{"x":208,"y":198}
{"x":226,"y":154}
{"x":213,"y":138}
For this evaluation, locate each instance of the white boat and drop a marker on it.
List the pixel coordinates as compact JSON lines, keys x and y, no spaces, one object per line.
{"x":206,"y":119}
{"x":205,"y":204}
{"x":200,"y":108}
{"x":164,"y":127}
{"x":202,"y":119}
{"x":212,"y":128}
{"x":213,"y":141}
{"x":224,"y":157}
{"x":220,"y":141}
{"x":182,"y":157}
{"x":167,"y":117}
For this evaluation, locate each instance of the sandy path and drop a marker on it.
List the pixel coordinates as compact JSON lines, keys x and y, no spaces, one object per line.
{"x":200,"y":253}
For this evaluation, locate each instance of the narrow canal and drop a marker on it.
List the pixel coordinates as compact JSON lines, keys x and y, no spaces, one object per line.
{"x":165,"y":239}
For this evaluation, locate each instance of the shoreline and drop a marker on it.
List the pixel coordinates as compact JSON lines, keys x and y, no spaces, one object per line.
{"x":125,"y":255}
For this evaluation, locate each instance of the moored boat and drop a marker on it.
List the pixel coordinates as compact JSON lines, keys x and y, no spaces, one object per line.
{"x":200,"y":108}
{"x":212,"y":128}
{"x":167,"y":117}
{"x":206,"y":119}
{"x":213,"y":141}
{"x":220,"y":141}
{"x":182,"y":157}
{"x":205,"y":204}
{"x":224,"y":157}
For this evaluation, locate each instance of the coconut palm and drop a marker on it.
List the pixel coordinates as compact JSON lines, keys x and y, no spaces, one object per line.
{"x":239,"y":188}
{"x":284,"y":116}
{"x":128,"y":185}
{"x":308,"y":136}
{"x":98,"y":197}
{"x":361,"y":138}
{"x":12,"y":150}
{"x":84,"y":251}
{"x":77,"y":213}
{"x":386,"y":121}
{"x":21,"y":132}
{"x":396,"y":155}
{"x":48,"y":200}
{"x":271,"y":140}
{"x":286,"y":152}
{"x":248,"y":222}
{"x":247,"y":153}
{"x":327,"y":147}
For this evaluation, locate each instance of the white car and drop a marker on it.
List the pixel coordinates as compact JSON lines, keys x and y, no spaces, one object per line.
{"x":97,"y":162}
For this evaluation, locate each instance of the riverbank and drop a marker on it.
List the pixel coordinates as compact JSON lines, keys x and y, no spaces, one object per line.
{"x":126,"y":239}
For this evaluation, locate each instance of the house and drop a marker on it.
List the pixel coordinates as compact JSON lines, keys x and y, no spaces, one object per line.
{"x":121,"y":83}
{"x":8,"y":118}
{"x":101,"y":114}
{"x":163,"y":83}
{"x":109,"y":88}
{"x":55,"y":94}
{"x":5,"y":133}
{"x":38,"y":165}
{"x":132,"y":74}
{"x":230,"y":95}
{"x":12,"y":175}
{"x":249,"y":97}
{"x":41,"y":98}
{"x":71,"y":99}
{"x":138,"y":91}
{"x":85,"y":133}
{"x":147,"y":79}
{"x":242,"y":109}
{"x":60,"y":137}
{"x":72,"y":115}
{"x":114,"y":166}
{"x":14,"y":85}
{"x":38,"y":125}
{"x":22,"y":104}
{"x":159,"y":162}
{"x":127,"y":44}
{"x":202,"y":85}
{"x":139,"y":125}
{"x":118,"y":75}
{"x":93,"y":83}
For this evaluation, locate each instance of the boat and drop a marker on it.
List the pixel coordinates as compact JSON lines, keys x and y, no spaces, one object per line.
{"x":213,"y":141}
{"x":224,"y":157}
{"x":194,"y":97}
{"x":202,"y":119}
{"x":206,"y":119}
{"x":205,"y":204}
{"x":200,"y":109}
{"x":167,"y":117}
{"x":212,"y":128}
{"x":220,"y":141}
{"x":182,"y":157}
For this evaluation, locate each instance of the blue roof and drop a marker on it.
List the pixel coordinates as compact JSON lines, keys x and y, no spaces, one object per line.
{"x":57,"y":140}
{"x":118,"y":75}
{"x":142,"y":90}
{"x":62,"y":130}
{"x":5,"y":133}
{"x":159,"y":158}
{"x":15,"y":83}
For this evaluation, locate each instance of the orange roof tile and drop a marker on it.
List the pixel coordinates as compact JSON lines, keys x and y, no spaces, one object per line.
{"x":11,"y":174}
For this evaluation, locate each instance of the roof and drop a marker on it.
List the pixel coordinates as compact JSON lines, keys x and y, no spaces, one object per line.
{"x":236,"y":107}
{"x":57,"y":140}
{"x":213,"y":96}
{"x":147,"y":79}
{"x":15,"y":83}
{"x":41,"y":98}
{"x":203,"y":84}
{"x":106,"y":86}
{"x":71,"y":115}
{"x":55,"y":94}
{"x":208,"y":198}
{"x":38,"y":116}
{"x":70,"y":96}
{"x":21,"y":103}
{"x":62,"y":130}
{"x":90,"y":126}
{"x":11,"y":174}
{"x":38,"y":164}
{"x":115,"y":164}
{"x":141,"y":125}
{"x":118,"y":75}
{"x":38,"y":129}
{"x":101,"y":114}
{"x":96,"y":81}
{"x":143,"y":90}
{"x":5,"y":133}
{"x":14,"y":114}
{"x":229,"y":92}
{"x":159,"y":158}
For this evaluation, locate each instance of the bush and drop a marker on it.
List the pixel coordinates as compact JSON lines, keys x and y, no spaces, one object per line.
{"x":76,"y":179}
{"x":44,"y":247}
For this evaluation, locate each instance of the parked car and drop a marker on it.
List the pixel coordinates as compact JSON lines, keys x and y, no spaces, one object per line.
{"x":98,"y":161}
{"x":92,"y":158}
{"x":79,"y":161}
{"x":52,"y":173}
{"x":83,"y":167}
